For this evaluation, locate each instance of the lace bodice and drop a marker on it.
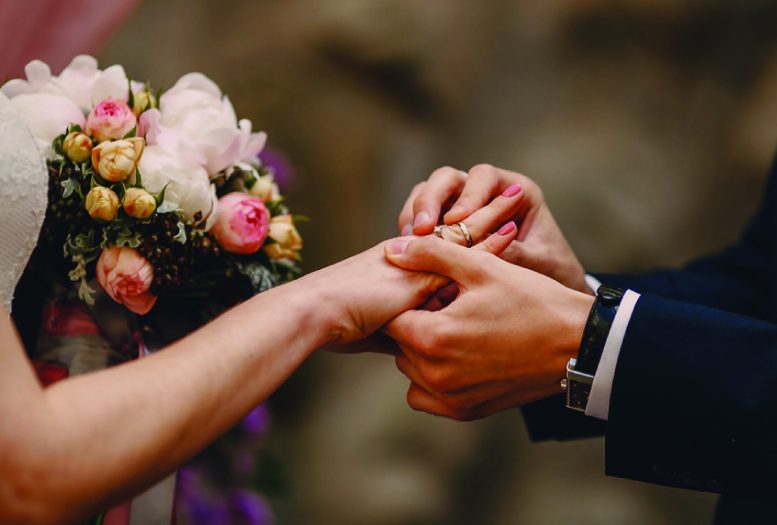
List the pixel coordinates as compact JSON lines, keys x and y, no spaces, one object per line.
{"x":23,"y":198}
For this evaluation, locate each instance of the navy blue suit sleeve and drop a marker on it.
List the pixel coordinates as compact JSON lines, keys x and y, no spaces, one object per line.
{"x":694,"y":400}
{"x":737,"y":280}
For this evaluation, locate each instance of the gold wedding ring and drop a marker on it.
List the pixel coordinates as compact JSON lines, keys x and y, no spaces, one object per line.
{"x":465,"y":233}
{"x":460,"y":235}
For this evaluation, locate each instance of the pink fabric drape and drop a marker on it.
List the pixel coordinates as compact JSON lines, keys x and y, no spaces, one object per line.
{"x":55,"y":30}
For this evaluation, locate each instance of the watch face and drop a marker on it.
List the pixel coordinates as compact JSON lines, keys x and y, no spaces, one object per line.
{"x":577,"y":395}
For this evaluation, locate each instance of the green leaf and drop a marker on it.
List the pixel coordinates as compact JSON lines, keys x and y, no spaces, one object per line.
{"x":82,"y":245}
{"x":128,"y":238}
{"x":167,"y":207}
{"x":131,"y":133}
{"x":159,"y":93}
{"x":69,"y":186}
{"x":181,"y":235}
{"x":260,"y":277}
{"x":130,"y":95}
{"x":160,"y":197}
{"x":138,"y":181}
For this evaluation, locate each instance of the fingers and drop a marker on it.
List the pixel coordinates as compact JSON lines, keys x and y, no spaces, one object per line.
{"x":421,"y":400}
{"x":483,"y":183}
{"x":444,"y":184}
{"x":488,"y":218}
{"x":406,"y":215}
{"x":497,"y":243}
{"x":430,"y":254}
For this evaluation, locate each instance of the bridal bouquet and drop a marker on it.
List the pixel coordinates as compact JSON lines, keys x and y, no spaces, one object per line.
{"x":160,"y":215}
{"x":154,"y":193}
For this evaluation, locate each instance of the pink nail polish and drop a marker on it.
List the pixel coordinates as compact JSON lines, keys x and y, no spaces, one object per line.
{"x":507,"y":228}
{"x":512,"y":191}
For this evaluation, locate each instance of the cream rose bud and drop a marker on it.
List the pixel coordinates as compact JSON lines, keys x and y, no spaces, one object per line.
{"x":142,"y":100}
{"x":265,"y":188}
{"x":139,"y":203}
{"x":102,"y":203}
{"x":117,"y":160}
{"x":110,"y":119}
{"x":287,"y":239}
{"x":77,"y":146}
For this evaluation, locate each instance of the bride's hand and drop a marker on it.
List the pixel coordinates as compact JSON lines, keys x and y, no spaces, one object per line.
{"x":451,"y":195}
{"x":361,"y":294}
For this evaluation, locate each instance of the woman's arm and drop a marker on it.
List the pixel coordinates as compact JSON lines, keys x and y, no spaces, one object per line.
{"x":96,"y":439}
{"x":93,"y":440}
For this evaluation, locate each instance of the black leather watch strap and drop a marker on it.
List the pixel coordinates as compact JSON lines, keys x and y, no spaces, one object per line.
{"x":597,"y":328}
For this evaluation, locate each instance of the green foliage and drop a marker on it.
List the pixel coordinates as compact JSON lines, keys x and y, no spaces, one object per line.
{"x":260,"y":276}
{"x":181,"y":235}
{"x":127,"y":238}
{"x":69,"y":186}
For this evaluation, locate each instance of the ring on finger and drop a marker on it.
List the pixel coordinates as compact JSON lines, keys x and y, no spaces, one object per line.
{"x":448,"y":233}
{"x":465,"y":232}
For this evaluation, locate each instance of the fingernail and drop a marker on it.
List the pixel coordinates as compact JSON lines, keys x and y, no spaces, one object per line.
{"x":398,"y":246}
{"x":407,"y":229}
{"x":512,"y":191}
{"x":507,"y":228}
{"x":421,"y":218}
{"x":455,"y":210}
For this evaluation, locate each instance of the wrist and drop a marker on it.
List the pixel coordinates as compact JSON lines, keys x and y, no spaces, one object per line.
{"x":302,"y":306}
{"x":576,"y":317}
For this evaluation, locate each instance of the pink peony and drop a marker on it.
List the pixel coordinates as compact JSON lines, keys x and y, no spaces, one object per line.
{"x":110,"y":119}
{"x":242,"y":223}
{"x":126,"y":276}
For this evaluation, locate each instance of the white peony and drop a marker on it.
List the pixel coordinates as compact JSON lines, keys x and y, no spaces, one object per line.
{"x":188,"y":185}
{"x":47,"y":116}
{"x":81,"y":81}
{"x":48,"y":104}
{"x":196,"y":120}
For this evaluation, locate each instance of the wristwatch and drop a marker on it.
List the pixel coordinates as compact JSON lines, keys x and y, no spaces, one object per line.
{"x":581,"y":371}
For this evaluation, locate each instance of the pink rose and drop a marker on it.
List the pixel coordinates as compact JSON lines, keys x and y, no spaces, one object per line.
{"x":242,"y":223}
{"x":110,"y":119}
{"x":126,"y":276}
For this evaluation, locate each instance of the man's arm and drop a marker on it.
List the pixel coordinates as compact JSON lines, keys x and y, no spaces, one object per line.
{"x":694,"y":399}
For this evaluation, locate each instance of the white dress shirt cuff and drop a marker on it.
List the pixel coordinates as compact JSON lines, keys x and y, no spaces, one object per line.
{"x":599,"y":399}
{"x":592,"y":282}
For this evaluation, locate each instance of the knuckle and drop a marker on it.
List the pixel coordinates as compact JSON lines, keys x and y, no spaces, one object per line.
{"x":482,"y":170}
{"x":435,"y":377}
{"x":530,"y":187}
{"x":434,"y":340}
{"x":444,"y":173}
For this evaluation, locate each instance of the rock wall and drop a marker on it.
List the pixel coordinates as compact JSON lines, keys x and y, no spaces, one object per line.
{"x":649,"y":125}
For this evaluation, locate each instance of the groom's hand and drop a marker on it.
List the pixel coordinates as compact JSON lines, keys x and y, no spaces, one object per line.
{"x":503,"y":342}
{"x":451,"y":195}
{"x":363,"y":293}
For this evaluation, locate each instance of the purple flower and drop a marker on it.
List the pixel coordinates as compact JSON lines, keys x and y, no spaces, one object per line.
{"x":248,"y":508}
{"x":257,"y":422}
{"x":279,"y":165}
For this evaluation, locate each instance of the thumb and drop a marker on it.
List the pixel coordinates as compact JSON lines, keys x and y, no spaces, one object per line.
{"x":432,"y":255}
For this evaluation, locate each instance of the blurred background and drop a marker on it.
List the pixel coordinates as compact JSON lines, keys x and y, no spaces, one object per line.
{"x":649,"y":124}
